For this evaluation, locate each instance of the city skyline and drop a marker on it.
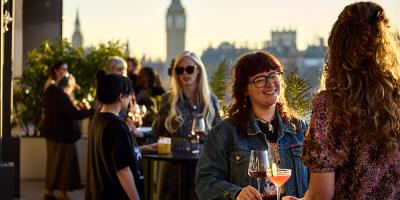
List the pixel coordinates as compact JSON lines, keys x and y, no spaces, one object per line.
{"x":209,"y":23}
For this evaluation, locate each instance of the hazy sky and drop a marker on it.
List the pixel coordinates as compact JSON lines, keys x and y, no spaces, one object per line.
{"x":209,"y":22}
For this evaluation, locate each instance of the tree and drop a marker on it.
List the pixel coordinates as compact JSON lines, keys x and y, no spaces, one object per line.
{"x":219,"y":84}
{"x":297,"y":94}
{"x":218,"y":81}
{"x":28,"y":90}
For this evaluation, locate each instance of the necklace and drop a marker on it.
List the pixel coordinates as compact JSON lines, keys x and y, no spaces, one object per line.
{"x":267,"y":123}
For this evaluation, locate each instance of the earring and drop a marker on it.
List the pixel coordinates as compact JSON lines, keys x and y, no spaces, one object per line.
{"x":245,"y":102}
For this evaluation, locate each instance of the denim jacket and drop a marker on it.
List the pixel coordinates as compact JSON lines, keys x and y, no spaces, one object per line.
{"x":221,"y":171}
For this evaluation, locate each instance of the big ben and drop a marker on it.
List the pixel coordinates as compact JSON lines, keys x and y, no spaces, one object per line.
{"x":176,"y":28}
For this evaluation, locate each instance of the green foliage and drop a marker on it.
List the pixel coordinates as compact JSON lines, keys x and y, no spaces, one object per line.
{"x":297,"y":94}
{"x":28,"y":91}
{"x":218,"y":81}
{"x":219,"y":85}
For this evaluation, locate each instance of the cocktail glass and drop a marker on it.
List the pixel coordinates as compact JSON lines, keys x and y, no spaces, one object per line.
{"x":278,"y":178}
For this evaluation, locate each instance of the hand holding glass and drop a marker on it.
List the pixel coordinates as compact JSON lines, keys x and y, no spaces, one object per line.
{"x":258,"y":165}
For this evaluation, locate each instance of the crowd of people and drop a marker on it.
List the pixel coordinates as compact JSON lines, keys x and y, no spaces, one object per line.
{"x":348,"y":150}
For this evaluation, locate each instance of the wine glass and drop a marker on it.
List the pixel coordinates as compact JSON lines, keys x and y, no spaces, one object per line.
{"x":198,"y":129}
{"x":278,"y":177}
{"x":258,"y":165}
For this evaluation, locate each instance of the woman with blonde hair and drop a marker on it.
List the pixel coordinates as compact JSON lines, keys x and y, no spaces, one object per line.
{"x":352,"y":145}
{"x":188,"y":98}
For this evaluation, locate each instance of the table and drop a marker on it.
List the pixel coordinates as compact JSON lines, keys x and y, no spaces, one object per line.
{"x":180,"y":158}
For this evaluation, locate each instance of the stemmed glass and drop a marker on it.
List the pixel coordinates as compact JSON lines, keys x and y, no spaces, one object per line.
{"x":278,"y":177}
{"x":258,"y":165}
{"x":198,"y":129}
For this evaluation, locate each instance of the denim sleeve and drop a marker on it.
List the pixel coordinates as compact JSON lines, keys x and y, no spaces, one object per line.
{"x":212,"y":171}
{"x":215,"y":105}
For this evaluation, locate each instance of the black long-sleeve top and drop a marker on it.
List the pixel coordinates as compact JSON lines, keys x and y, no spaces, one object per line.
{"x":60,"y":116}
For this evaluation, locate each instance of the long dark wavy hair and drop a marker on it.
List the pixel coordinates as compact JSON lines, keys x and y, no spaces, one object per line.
{"x":362,"y":74}
{"x":246,"y":66}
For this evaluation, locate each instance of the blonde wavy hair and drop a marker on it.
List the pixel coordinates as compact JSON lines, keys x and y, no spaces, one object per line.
{"x":174,"y":118}
{"x":362,"y":74}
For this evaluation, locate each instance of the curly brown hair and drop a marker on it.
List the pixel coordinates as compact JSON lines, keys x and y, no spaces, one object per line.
{"x":362,"y":74}
{"x":246,"y":66}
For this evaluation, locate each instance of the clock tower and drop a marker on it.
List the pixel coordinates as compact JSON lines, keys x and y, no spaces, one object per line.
{"x":176,"y":28}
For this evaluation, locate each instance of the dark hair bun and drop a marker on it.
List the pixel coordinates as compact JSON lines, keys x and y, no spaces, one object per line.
{"x":110,"y":86}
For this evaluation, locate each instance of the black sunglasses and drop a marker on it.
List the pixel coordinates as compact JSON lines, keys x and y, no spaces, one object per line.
{"x":189,"y":69}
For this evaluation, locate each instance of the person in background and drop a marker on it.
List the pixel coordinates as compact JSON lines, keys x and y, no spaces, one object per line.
{"x":61,"y":130}
{"x":114,"y":160}
{"x":148,"y":90}
{"x":58,"y":70}
{"x":352,"y":145}
{"x":133,"y":69}
{"x":189,"y":97}
{"x":258,"y":119}
{"x":117,"y":65}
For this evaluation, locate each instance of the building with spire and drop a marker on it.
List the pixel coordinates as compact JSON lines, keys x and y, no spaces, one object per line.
{"x":176,"y":28}
{"x":77,"y":39}
{"x":127,"y":49}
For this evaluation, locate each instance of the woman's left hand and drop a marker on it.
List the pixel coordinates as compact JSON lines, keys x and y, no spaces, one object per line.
{"x":148,"y":148}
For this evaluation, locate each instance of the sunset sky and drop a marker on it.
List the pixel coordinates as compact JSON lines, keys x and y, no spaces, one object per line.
{"x":209,"y":22}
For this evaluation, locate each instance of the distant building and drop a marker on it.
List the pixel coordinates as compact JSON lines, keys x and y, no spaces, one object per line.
{"x":176,"y":28}
{"x":212,"y":57}
{"x":127,"y":49}
{"x":77,"y":39}
{"x":283,"y":46}
{"x":311,"y":63}
{"x":284,"y":41}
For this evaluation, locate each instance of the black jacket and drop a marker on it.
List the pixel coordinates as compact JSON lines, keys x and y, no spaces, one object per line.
{"x":60,"y":116}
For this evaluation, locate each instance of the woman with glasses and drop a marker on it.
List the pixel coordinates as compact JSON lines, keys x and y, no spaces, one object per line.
{"x":259,"y":119}
{"x":189,"y":97}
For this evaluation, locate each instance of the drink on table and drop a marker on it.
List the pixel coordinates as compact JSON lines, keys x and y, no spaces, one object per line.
{"x":164,"y":145}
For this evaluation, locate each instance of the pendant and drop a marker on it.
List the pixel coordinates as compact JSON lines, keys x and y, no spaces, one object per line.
{"x":270,"y":127}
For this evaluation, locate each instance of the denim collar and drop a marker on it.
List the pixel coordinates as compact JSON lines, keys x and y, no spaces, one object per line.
{"x":284,"y":127}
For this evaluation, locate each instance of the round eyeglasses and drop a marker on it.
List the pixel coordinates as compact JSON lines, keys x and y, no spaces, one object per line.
{"x":261,"y":81}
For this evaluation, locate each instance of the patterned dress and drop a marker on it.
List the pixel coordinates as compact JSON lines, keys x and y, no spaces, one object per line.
{"x":361,"y":171}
